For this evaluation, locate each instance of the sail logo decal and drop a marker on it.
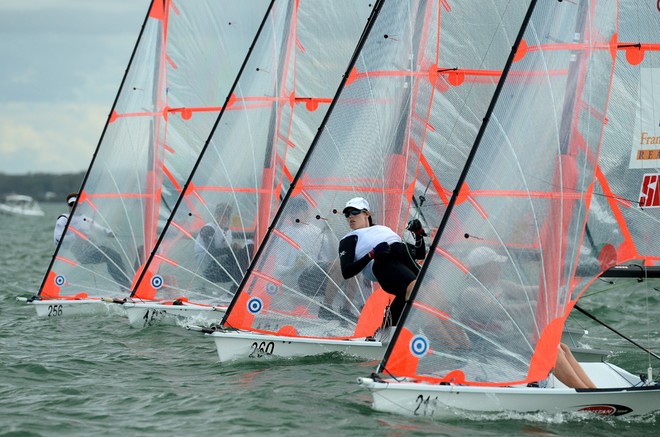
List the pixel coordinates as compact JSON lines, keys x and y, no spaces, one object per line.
{"x":419,"y":346}
{"x":645,"y":136}
{"x":59,"y":280}
{"x":607,"y":409}
{"x":271,"y":288}
{"x":649,"y":196}
{"x":157,"y":282}
{"x":255,"y":305}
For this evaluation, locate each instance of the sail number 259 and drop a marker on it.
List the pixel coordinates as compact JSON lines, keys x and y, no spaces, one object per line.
{"x":261,"y":349}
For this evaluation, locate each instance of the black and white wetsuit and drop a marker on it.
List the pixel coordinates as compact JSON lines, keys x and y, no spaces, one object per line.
{"x":394,"y":271}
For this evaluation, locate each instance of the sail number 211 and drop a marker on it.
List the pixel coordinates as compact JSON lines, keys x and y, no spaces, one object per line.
{"x":425,"y":405}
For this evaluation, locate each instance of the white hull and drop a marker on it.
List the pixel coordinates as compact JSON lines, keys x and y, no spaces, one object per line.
{"x":143,"y":314}
{"x":18,"y":204}
{"x":420,"y":399}
{"x":12,"y":210}
{"x":58,"y":308}
{"x":239,"y":345}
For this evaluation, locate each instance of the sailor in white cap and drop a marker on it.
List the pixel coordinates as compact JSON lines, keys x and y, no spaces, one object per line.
{"x":86,"y":252}
{"x":379,"y":253}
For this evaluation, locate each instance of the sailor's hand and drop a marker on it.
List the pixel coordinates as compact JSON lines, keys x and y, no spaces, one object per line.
{"x":379,"y":250}
{"x":415,"y":226}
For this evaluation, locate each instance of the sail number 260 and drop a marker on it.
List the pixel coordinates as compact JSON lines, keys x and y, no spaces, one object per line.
{"x":261,"y":349}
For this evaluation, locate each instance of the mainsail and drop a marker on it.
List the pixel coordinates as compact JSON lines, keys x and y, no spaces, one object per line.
{"x":400,"y":126}
{"x":625,"y":208}
{"x":256,"y":145}
{"x":493,"y":294}
{"x":180,"y":71}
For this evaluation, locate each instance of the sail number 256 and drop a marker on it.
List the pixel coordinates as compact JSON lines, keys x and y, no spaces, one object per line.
{"x":261,"y":349}
{"x":54,"y":310}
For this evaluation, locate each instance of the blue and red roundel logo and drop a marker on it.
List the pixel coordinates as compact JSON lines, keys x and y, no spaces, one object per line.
{"x":255,"y":305}
{"x":59,"y":280}
{"x":271,"y":288}
{"x":419,"y":346}
{"x":157,"y":282}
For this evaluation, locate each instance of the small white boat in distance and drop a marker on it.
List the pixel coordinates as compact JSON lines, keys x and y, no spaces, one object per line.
{"x":19,"y":204}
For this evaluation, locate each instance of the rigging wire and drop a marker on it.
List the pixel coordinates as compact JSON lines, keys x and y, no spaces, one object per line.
{"x":594,"y":318}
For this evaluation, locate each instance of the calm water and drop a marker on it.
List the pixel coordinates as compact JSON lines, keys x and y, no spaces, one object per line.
{"x":97,"y":376}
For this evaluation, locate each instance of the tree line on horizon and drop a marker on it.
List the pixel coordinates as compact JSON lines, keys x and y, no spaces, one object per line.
{"x":43,"y":187}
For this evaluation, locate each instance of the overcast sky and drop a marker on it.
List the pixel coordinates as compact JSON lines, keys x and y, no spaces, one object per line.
{"x":61,"y":64}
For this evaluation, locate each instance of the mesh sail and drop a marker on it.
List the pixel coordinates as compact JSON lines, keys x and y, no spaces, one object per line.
{"x":490,"y":302}
{"x":625,"y":209}
{"x":180,"y":73}
{"x":257,"y":145}
{"x":401,"y":126}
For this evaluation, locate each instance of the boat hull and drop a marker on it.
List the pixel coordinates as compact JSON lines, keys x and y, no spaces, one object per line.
{"x":241,"y":345}
{"x":8,"y":210}
{"x":144,"y":314}
{"x":420,"y":399}
{"x":59,"y":308}
{"x":19,"y":204}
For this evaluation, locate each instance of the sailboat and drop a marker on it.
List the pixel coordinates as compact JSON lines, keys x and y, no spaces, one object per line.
{"x":396,"y":134}
{"x":21,"y":204}
{"x":184,"y":61}
{"x":533,"y":188}
{"x":257,"y":143}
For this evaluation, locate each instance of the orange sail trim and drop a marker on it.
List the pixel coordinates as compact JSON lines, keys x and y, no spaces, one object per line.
{"x":395,"y":174}
{"x":401,"y":361}
{"x":157,"y":10}
{"x":635,"y":51}
{"x":434,"y":180}
{"x":356,"y":187}
{"x":545,"y":354}
{"x":371,"y":316}
{"x":240,"y":316}
{"x":553,"y":242}
{"x":50,"y":288}
{"x":311,"y":104}
{"x":66,"y":260}
{"x":627,"y":250}
{"x":264,"y":206}
{"x":144,"y":289}
{"x":527,"y":194}
{"x":115,"y":196}
{"x":200,"y":188}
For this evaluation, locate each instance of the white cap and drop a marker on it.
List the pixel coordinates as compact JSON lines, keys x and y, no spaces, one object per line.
{"x":357,"y":203}
{"x":482,"y":256}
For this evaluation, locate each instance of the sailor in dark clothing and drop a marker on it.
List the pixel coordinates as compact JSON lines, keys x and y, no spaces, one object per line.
{"x":379,"y":253}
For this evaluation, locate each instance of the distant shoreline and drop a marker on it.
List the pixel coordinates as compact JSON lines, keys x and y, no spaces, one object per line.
{"x":43,"y":187}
